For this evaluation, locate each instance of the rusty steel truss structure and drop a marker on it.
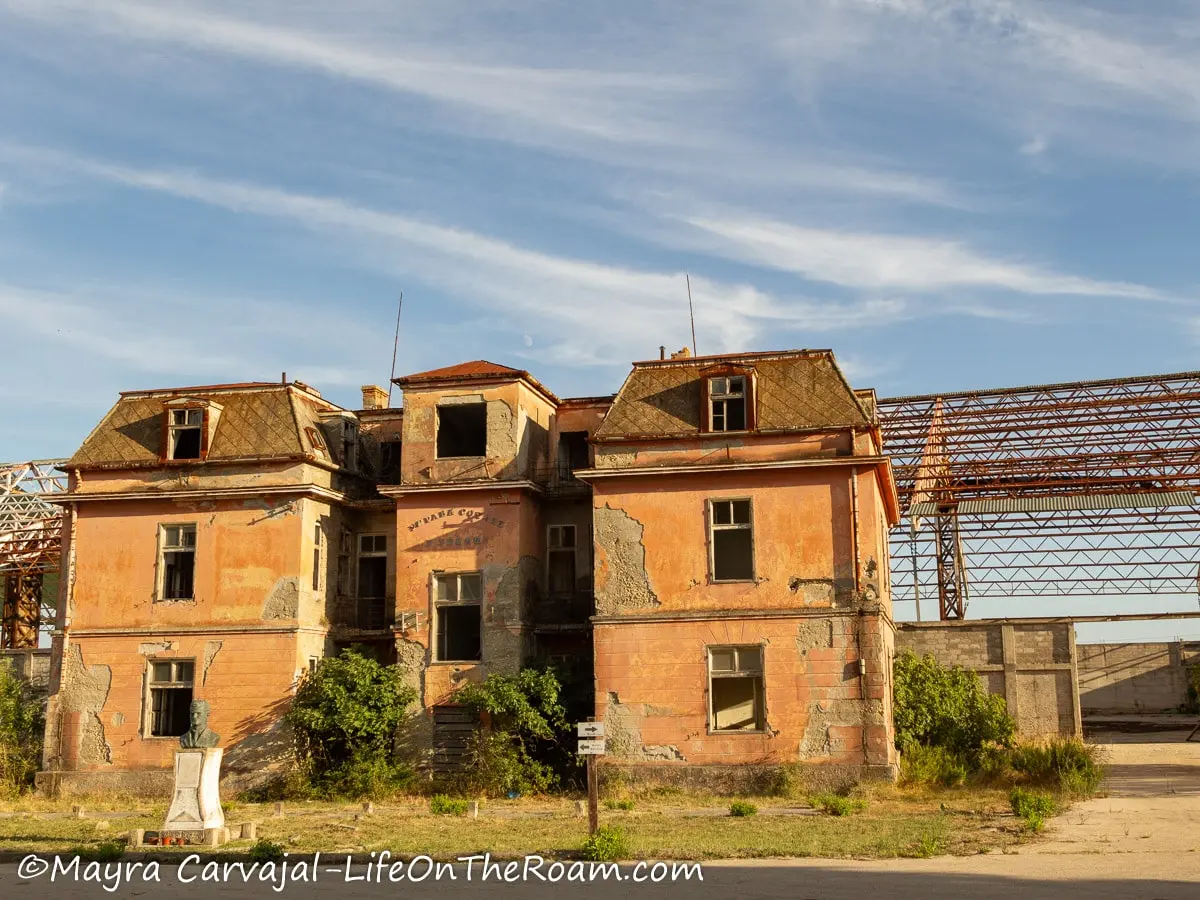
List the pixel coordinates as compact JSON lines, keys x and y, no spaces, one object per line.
{"x":1084,"y":488}
{"x":30,"y":549}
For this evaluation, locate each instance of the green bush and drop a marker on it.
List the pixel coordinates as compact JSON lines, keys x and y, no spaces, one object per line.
{"x":836,"y":804}
{"x":1034,"y":807}
{"x":265,"y":851}
{"x":441,"y":805}
{"x":618,"y":804}
{"x":21,"y":728}
{"x":934,"y":765}
{"x":608,"y":844}
{"x":344,"y":717}
{"x":1066,"y":764}
{"x":527,"y":746}
{"x":936,"y":706}
{"x":742,"y":808}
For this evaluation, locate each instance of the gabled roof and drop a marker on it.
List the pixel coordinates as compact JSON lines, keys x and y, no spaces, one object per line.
{"x":796,"y":390}
{"x":257,"y":421}
{"x":479,"y":370}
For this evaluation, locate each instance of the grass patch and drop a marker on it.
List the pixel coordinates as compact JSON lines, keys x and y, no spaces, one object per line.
{"x":742,"y":808}
{"x":441,"y":805}
{"x":837,"y":805}
{"x":1064,"y":764}
{"x":266,"y":851}
{"x":106,"y":852}
{"x":608,"y":844}
{"x":1034,"y":807}
{"x":619,"y":804}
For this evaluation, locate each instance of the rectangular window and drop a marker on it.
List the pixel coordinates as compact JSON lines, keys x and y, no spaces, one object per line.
{"x":735,"y":689}
{"x":458,"y":610}
{"x":727,"y":403}
{"x":389,"y":466}
{"x":372,"y":566}
{"x":345,"y":547}
{"x":318,"y":539}
{"x":178,"y":563}
{"x":462,"y":430}
{"x":170,"y":703}
{"x":560,"y":558}
{"x":184,"y":434}
{"x":731,"y":540}
{"x":573,"y":451}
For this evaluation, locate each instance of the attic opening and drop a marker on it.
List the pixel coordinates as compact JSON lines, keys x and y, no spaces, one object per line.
{"x":184,"y":433}
{"x":462,"y":430}
{"x":727,"y":403}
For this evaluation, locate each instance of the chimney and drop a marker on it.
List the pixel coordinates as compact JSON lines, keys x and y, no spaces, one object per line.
{"x":374,"y":397}
{"x":662,"y":352}
{"x":682,"y":354}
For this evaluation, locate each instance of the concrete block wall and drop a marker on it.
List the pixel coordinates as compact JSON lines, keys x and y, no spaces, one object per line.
{"x":30,"y":665}
{"x":1029,"y":662}
{"x":1135,"y":678}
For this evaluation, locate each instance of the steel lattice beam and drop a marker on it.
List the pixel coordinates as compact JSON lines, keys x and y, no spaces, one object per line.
{"x":1082,"y":439}
{"x":30,"y":548}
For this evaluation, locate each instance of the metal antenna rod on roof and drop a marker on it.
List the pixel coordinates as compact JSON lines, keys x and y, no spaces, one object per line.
{"x":691,"y":313}
{"x":395,"y":345}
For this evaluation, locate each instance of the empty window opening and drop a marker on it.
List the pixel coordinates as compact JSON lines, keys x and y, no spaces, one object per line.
{"x":170,"y":697}
{"x":184,"y":433}
{"x":458,"y":608}
{"x":389,"y":465}
{"x":727,"y":403}
{"x":345,"y":547}
{"x":573,"y":451}
{"x":462,"y":430}
{"x":732,"y":540}
{"x":372,"y":566}
{"x":560,"y":558}
{"x":178,"y":562}
{"x":735,"y":689}
{"x":349,"y":445}
{"x":318,"y":540}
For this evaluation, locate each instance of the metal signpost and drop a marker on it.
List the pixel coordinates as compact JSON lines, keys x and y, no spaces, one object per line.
{"x":591,"y":745}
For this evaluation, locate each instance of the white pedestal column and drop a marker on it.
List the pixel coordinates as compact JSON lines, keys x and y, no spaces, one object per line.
{"x":196,"y":805}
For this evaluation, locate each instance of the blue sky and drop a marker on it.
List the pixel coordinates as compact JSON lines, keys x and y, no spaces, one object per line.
{"x":949,"y":194}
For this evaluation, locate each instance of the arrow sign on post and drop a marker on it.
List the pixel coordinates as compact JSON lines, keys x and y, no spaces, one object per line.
{"x":590,"y":729}
{"x":591,"y":746}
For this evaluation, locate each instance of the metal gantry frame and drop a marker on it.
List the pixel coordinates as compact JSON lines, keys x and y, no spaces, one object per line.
{"x":1082,"y":488}
{"x":30,"y":548}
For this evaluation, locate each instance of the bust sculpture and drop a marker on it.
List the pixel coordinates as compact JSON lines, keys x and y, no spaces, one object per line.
{"x":199,"y":736}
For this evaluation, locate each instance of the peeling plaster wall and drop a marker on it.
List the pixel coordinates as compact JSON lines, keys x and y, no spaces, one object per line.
{"x":652,"y":542}
{"x":710,"y":451}
{"x":652,"y":691}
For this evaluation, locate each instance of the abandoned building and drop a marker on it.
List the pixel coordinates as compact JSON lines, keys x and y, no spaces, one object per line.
{"x":710,"y":542}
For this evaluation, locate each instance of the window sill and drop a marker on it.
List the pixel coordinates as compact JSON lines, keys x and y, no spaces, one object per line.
{"x":175,"y":600}
{"x":456,"y":662}
{"x":458,"y":458}
{"x":733,"y":581}
{"x":162,"y":737}
{"x":758,"y":732}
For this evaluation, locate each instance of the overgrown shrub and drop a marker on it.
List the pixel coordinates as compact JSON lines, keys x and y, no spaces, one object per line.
{"x":21,"y":727}
{"x":608,"y":844}
{"x":836,"y":804}
{"x":441,"y":805}
{"x":526,"y":747}
{"x":264,"y":851}
{"x":344,"y":717}
{"x":742,"y":808}
{"x":1066,"y":764}
{"x":934,"y":765}
{"x":937,"y":706}
{"x":618,"y":804}
{"x":1034,"y":807}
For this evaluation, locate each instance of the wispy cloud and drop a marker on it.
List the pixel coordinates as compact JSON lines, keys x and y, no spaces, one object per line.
{"x":888,"y":261}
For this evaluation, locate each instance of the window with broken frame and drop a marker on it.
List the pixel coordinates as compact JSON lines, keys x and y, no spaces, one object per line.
{"x":458,"y":616}
{"x":560,"y":559}
{"x":731,"y":540}
{"x":177,"y":562}
{"x":168,"y":700}
{"x":727,"y":403}
{"x":737,"y":698}
{"x":185,"y":433}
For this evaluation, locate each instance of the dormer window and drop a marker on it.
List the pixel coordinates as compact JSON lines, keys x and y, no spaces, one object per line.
{"x":185,"y":432}
{"x":727,"y":403}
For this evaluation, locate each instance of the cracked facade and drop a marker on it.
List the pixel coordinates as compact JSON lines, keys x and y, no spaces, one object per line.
{"x":709,"y":544}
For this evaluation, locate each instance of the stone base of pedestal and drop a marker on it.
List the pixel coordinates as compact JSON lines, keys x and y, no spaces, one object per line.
{"x":196,"y":803}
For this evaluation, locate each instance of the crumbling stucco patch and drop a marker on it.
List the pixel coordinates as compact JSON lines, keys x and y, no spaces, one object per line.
{"x":622,"y":727}
{"x":814,"y":634}
{"x":410,"y":657}
{"x":118,"y":719}
{"x":661,"y":751}
{"x":516,"y":589}
{"x":501,"y":435}
{"x":211,"y":649}
{"x":627,"y":585}
{"x":816,"y":740}
{"x":152,"y":647}
{"x":84,"y":692}
{"x":284,"y":600}
{"x":813,"y":591}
